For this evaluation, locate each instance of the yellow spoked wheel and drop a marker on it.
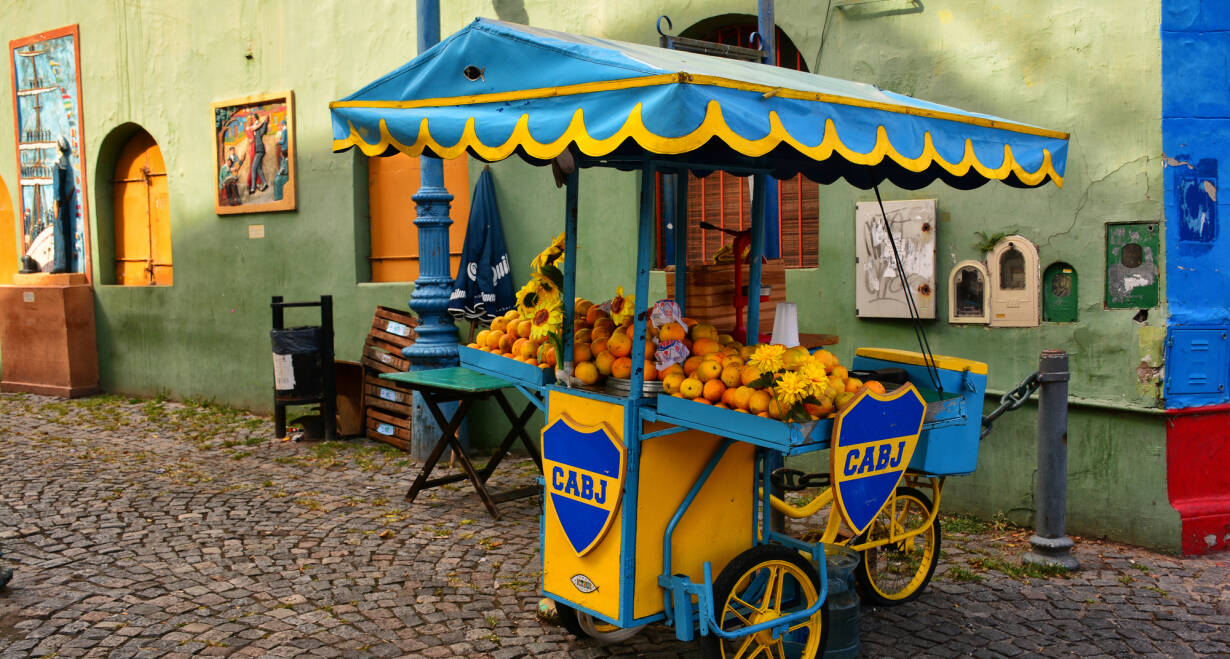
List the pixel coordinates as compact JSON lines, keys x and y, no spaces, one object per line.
{"x":898,"y":572}
{"x":583,"y":625}
{"x":762,"y":584}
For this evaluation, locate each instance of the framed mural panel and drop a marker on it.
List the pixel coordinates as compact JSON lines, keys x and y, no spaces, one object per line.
{"x":254,"y":154}
{"x":879,"y":291}
{"x":49,"y":137}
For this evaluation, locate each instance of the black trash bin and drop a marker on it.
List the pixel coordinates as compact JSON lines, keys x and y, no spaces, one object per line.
{"x":300,"y":376}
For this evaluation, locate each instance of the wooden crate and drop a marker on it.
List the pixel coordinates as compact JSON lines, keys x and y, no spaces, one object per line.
{"x":384,"y":362}
{"x":389,"y":429}
{"x":391,"y":330}
{"x":710,"y":293}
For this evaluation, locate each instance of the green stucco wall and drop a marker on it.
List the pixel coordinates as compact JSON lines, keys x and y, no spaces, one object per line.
{"x":1091,"y":68}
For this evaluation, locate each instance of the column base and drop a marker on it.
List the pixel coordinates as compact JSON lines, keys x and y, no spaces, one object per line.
{"x":1052,"y":551}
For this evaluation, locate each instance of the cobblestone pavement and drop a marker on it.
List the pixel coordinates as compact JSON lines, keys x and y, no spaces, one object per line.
{"x":157,"y":529}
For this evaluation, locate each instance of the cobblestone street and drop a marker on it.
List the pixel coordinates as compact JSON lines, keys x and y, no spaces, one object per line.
{"x":157,"y":529}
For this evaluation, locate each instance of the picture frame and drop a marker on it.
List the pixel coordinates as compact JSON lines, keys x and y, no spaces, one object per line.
{"x":52,"y":192}
{"x":254,"y":130}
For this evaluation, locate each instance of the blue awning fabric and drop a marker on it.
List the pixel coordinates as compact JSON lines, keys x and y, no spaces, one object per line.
{"x":497,"y":89}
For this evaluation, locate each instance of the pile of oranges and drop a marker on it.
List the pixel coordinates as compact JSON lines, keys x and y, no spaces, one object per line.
{"x":509,"y":335}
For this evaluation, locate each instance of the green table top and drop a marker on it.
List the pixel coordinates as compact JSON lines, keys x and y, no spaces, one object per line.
{"x":456,"y":379}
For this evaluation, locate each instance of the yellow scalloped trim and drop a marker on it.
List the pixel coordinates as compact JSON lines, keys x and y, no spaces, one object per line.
{"x":713,"y":125}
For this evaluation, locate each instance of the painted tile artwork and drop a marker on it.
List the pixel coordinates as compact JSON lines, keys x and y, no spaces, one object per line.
{"x":47,"y":97}
{"x":254,"y":158}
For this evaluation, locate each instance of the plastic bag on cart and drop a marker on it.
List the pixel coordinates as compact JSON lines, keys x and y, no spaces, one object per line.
{"x":664,"y":312}
{"x":670,"y":353}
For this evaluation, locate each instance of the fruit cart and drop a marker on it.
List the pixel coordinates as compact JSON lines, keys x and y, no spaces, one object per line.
{"x":657,"y":508}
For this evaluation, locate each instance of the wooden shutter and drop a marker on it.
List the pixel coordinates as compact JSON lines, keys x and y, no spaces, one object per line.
{"x":142,"y":215}
{"x":394,"y":238}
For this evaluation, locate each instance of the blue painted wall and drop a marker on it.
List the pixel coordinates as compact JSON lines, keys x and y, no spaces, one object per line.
{"x":1196,"y":141}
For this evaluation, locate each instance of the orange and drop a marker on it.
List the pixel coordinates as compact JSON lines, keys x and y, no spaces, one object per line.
{"x":673,"y":368}
{"x":592,"y":315}
{"x":728,"y":397}
{"x":581,"y":353}
{"x":702,"y":399}
{"x":853,"y":384}
{"x":708,"y":370}
{"x":622,"y":368}
{"x":704,"y":331}
{"x":704,"y":346}
{"x":619,"y":344}
{"x":839,"y":372}
{"x":499,"y":324}
{"x":775,"y":409}
{"x":827,"y":358}
{"x":471,"y":345}
{"x":603,"y":361}
{"x":599,"y":345}
{"x":605,"y":322}
{"x":582,"y":336}
{"x":690,"y":388}
{"x":651,"y":370}
{"x":517,"y":347}
{"x":599,"y":334}
{"x":546,"y":354}
{"x":748,"y":375}
{"x":493,"y":338}
{"x":741,"y":397}
{"x":732,"y":360}
{"x":875,"y":386}
{"x":730,"y":376}
{"x":481,"y":337}
{"x":713,"y":390}
{"x":583,"y":307}
{"x":746,"y":352}
{"x":758,"y":403}
{"x":672,"y":332}
{"x":691,"y":364}
{"x":586,"y":372}
{"x":671,"y":382}
{"x":506,"y":343}
{"x":523,"y":328}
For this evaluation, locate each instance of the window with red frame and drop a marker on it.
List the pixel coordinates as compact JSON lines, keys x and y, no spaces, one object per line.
{"x":725,"y":200}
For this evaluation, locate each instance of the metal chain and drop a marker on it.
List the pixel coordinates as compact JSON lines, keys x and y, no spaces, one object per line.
{"x":1013,"y":399}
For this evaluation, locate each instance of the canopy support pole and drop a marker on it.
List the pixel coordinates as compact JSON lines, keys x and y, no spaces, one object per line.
{"x":766,"y":26}
{"x":436,"y":346}
{"x":759,"y":188}
{"x":681,"y":238}
{"x":570,"y":265}
{"x":644,"y":261}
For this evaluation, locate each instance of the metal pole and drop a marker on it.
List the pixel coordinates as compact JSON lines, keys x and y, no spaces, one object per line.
{"x":1051,"y":545}
{"x":436,"y":345}
{"x":766,"y":26}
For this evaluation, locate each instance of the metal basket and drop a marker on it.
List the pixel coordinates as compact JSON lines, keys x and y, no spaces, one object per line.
{"x":623,"y":386}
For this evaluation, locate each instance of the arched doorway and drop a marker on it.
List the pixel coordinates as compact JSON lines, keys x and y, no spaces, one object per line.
{"x":142,"y":215}
{"x":8,"y":237}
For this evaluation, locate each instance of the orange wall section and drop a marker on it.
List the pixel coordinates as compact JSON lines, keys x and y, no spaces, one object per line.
{"x":8,"y":237}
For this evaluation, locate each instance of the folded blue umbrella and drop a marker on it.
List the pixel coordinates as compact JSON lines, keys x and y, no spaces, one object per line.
{"x":483,"y":288}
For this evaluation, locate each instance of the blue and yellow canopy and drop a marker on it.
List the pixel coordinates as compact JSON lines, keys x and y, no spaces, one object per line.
{"x":495,"y":89}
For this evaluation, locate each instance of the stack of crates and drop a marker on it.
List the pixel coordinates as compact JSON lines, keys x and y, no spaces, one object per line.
{"x":388,"y":405}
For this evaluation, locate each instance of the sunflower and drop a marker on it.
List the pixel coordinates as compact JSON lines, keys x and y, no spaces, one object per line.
{"x":547,"y":290}
{"x":791,"y":388}
{"x":527,"y":299}
{"x":767,"y":358}
{"x":622,"y":308}
{"x":548,"y":317}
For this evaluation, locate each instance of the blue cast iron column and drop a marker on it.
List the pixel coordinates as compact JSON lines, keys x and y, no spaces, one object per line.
{"x":436,"y":346}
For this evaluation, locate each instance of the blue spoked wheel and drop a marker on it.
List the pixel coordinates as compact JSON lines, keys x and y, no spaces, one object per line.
{"x":762,"y":584}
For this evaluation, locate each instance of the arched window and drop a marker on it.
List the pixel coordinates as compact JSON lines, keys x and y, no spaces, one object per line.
{"x":968,"y":293}
{"x":142,"y":215}
{"x":1012,"y":269}
{"x":726,"y":200}
{"x":391,"y":181}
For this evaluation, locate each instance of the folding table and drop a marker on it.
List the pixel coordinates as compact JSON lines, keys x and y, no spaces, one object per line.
{"x":466,"y":386}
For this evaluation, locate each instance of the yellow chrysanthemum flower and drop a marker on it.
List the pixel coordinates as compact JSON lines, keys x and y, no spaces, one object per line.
{"x":622,"y":307}
{"x":791,"y":388}
{"x":527,"y":299}
{"x":546,"y":289}
{"x":767,"y":358}
{"x":548,"y":317}
{"x":817,"y":380}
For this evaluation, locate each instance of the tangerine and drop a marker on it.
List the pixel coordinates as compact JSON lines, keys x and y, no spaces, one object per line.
{"x":713,"y":390}
{"x":671,"y":382}
{"x":708,"y":370}
{"x":622,"y":368}
{"x":619,"y":344}
{"x":586,"y":372}
{"x":730,"y":376}
{"x":704,"y":346}
{"x":691,"y":388}
{"x":758,"y":402}
{"x":651,"y":370}
{"x":603,"y":361}
{"x":853,"y":385}
{"x":691,"y":364}
{"x":876,"y":386}
{"x":581,"y":352}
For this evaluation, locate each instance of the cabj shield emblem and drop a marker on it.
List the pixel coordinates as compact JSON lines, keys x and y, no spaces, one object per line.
{"x":873,"y":441}
{"x":584,"y":470}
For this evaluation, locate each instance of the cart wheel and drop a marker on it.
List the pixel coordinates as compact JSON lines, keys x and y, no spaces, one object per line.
{"x":898,"y":572}
{"x":763,"y":583}
{"x":583,"y":625}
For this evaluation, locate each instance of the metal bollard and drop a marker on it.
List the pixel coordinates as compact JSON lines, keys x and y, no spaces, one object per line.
{"x":1050,"y":543}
